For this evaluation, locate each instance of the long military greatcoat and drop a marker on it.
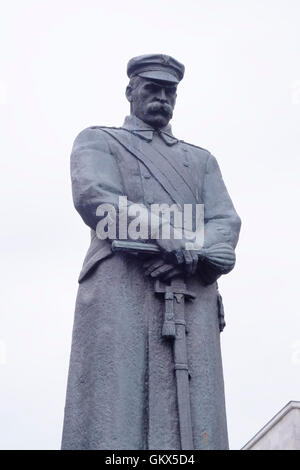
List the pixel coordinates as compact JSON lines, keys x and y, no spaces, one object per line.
{"x":121,"y":388}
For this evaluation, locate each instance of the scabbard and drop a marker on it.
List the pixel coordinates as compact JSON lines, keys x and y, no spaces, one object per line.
{"x":182,"y":375}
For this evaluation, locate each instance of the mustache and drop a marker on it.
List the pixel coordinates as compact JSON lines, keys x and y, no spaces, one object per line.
{"x":163,"y":108}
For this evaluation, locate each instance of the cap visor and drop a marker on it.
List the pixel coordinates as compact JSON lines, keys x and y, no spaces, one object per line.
{"x":159,"y":75}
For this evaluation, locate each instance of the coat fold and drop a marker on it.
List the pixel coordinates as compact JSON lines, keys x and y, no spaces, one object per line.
{"x":121,"y":390}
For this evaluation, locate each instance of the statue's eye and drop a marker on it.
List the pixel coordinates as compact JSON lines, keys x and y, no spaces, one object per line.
{"x":152,"y":87}
{"x":171,"y":91}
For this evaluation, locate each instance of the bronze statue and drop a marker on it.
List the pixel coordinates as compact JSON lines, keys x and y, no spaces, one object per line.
{"x":145,"y":369}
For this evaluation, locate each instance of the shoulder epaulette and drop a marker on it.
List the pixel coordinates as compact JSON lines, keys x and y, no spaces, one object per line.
{"x":111,"y":127}
{"x":105,"y":127}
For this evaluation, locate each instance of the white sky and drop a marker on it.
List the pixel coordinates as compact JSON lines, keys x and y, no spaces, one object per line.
{"x":63,"y":68}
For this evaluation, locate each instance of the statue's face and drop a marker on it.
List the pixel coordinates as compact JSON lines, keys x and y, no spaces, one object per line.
{"x":153,"y":102}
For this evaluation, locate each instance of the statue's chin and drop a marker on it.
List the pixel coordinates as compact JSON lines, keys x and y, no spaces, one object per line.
{"x":157,"y":120}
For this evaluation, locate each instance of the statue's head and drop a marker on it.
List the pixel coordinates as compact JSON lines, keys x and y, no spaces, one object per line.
{"x":152,"y":89}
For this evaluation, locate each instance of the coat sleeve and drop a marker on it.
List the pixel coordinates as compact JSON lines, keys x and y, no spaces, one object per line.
{"x":221,"y":221}
{"x":97,"y":183}
{"x":95,"y":175}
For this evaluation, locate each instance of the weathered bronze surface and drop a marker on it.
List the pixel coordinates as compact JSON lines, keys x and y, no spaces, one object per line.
{"x":133,"y":312}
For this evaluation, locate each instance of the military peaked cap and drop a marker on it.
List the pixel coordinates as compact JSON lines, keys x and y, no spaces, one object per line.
{"x":157,"y":67}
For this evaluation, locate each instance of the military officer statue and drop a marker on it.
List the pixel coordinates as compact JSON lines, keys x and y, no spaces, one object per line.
{"x":145,"y":368}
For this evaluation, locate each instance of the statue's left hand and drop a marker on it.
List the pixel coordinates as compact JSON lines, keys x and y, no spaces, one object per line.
{"x":158,"y":268}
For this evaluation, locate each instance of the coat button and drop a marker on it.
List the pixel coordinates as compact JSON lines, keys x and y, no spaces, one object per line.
{"x":186,"y":164}
{"x":147,"y":176}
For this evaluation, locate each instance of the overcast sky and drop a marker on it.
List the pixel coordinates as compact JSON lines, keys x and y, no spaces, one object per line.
{"x":63,"y":68}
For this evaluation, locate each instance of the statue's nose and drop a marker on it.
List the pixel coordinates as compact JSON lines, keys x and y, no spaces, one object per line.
{"x":162,"y":95}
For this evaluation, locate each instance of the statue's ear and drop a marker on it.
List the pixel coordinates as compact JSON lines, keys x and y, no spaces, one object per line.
{"x":129,"y":93}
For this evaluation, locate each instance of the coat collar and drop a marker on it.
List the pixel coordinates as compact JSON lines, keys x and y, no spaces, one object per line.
{"x":146,"y":132}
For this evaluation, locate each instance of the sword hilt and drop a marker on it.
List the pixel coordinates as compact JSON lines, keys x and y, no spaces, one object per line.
{"x":177,"y":286}
{"x":176,"y":291}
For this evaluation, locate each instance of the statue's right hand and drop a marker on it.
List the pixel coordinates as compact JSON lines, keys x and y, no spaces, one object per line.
{"x":158,"y":268}
{"x":174,"y":251}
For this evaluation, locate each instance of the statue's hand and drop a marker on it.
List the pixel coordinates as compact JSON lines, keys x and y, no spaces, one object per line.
{"x":159,"y":269}
{"x":174,"y":251}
